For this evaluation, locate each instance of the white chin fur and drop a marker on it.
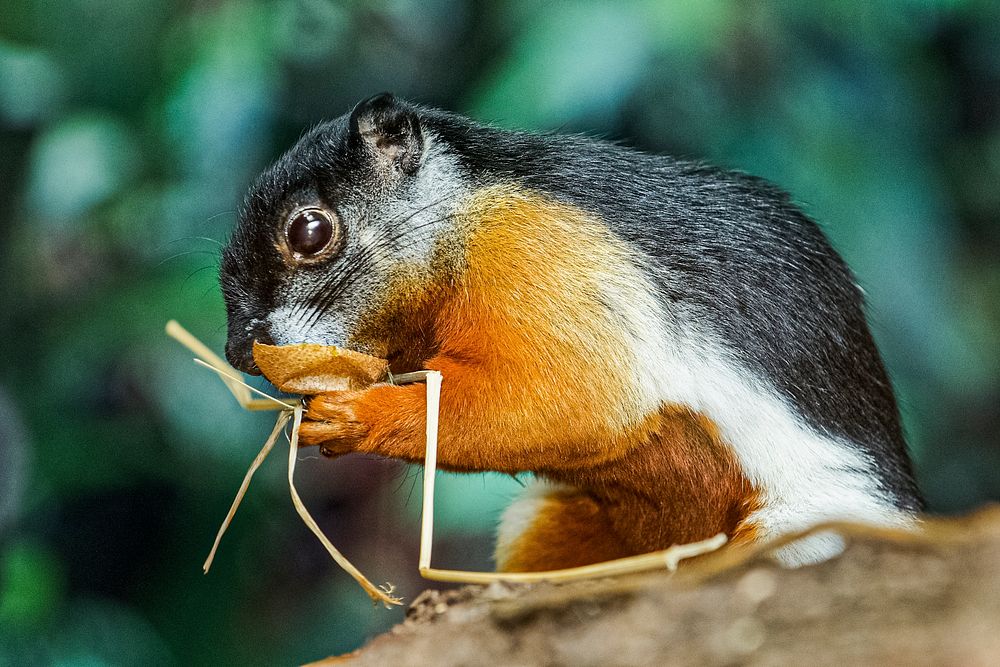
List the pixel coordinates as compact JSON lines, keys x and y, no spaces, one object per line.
{"x":290,"y":325}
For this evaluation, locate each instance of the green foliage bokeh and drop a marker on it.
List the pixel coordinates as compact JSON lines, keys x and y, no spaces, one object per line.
{"x":131,"y":129}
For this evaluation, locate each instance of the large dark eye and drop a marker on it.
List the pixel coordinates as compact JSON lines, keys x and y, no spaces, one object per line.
{"x":310,"y":231}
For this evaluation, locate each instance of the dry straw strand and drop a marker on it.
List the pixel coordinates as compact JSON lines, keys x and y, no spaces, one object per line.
{"x":283,"y":418}
{"x":377,"y":594}
{"x":202,"y":351}
{"x":668,"y":558}
{"x":289,"y":410}
{"x":275,"y":404}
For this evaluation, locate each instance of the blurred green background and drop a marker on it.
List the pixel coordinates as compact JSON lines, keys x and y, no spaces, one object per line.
{"x":130,"y":130}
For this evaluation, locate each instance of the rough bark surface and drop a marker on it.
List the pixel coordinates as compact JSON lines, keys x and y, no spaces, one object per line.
{"x":930,"y":599}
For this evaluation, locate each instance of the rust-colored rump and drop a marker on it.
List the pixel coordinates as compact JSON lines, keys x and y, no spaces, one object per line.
{"x":681,"y":484}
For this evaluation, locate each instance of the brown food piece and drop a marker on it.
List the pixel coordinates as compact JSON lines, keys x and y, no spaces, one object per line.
{"x":308,"y":368}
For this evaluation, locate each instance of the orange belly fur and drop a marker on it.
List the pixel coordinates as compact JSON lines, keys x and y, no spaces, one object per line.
{"x":538,"y":377}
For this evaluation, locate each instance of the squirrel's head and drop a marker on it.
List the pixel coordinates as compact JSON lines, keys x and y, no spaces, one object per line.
{"x":341,"y":233}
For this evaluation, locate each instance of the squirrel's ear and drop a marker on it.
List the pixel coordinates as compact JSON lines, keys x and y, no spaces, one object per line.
{"x":391,"y":129}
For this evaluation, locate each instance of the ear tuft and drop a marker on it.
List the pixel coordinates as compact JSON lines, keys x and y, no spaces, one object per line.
{"x":391,"y":129}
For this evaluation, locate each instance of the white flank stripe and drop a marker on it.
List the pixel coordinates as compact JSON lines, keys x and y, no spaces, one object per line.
{"x":805,"y":477}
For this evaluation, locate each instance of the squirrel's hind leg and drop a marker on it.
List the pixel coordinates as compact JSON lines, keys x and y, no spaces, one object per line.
{"x":553,"y":526}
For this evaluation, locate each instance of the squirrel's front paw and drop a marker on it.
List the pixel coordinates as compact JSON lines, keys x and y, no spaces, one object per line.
{"x":330,"y":422}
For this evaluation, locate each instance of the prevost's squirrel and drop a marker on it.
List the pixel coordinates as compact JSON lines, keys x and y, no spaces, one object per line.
{"x":674,"y":350}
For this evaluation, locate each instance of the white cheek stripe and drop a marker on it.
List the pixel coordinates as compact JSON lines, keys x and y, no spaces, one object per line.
{"x":805,"y":477}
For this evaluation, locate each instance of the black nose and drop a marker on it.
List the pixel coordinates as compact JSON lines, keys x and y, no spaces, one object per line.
{"x":239,"y":351}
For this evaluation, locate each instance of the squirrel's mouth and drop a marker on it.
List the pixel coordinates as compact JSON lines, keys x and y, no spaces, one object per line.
{"x":239,"y":347}
{"x":240,"y":355}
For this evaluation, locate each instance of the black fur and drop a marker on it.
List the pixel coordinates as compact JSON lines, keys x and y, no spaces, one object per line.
{"x":727,"y":246}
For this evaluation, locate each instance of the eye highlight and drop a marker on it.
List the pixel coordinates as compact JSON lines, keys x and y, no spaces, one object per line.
{"x":310,"y":231}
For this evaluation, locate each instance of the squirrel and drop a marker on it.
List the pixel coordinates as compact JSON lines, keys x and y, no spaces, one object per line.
{"x":674,"y":350}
